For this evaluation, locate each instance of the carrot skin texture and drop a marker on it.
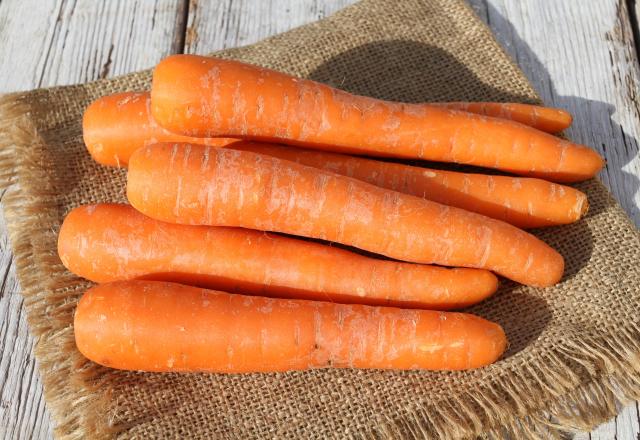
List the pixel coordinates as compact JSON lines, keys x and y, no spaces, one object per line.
{"x":167,"y":327}
{"x":208,"y":97}
{"x":111,"y":242}
{"x":551,"y":120}
{"x":520,"y":201}
{"x":190,"y":184}
{"x":115,"y":126}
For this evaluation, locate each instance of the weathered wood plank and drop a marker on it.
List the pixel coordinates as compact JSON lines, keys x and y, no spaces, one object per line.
{"x":628,"y":423}
{"x":582,"y":436}
{"x":65,"y":41}
{"x":228,"y":23}
{"x":22,"y":409}
{"x":51,"y":43}
{"x":580,"y":56}
{"x":583,"y":61}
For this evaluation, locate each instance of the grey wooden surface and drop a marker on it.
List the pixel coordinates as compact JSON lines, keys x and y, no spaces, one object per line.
{"x":580,"y":55}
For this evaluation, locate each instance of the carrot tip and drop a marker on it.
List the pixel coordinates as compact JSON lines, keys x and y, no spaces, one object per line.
{"x":585,"y":207}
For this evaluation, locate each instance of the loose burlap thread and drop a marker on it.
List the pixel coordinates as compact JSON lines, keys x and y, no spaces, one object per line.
{"x":574,"y":349}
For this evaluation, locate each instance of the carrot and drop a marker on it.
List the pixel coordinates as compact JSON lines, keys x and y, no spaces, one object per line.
{"x":190,"y":184}
{"x":115,"y":126}
{"x":208,"y":97}
{"x":521,"y":201}
{"x":110,"y":242}
{"x":158,"y":326}
{"x":551,"y":120}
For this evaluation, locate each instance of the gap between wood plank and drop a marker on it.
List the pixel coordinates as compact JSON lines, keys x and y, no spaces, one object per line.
{"x":632,"y":13}
{"x":181,"y":27}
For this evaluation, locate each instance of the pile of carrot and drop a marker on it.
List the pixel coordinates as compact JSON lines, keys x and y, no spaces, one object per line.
{"x":260,"y":238}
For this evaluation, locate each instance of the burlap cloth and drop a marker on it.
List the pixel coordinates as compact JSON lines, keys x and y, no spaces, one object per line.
{"x":574,"y":349}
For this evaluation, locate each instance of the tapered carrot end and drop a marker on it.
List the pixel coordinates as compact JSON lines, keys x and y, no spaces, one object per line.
{"x":66,"y":231}
{"x":72,"y":239}
{"x":552,"y":120}
{"x":85,"y":323}
{"x":470,"y":287}
{"x":563,"y":120}
{"x":91,"y":136}
{"x":170,"y":99}
{"x":580,"y":163}
{"x":488,"y":287}
{"x":501,"y":342}
{"x":584,"y":208}
{"x":479,"y":285}
{"x":553,"y":271}
{"x":579,"y":208}
{"x":587,"y":162}
{"x":488,"y":340}
{"x":595,"y":161}
{"x":111,"y":127}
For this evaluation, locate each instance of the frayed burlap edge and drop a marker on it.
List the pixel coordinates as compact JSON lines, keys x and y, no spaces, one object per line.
{"x":580,"y":385}
{"x":66,"y":375}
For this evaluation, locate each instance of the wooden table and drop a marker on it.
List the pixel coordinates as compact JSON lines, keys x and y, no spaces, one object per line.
{"x":579,"y":54}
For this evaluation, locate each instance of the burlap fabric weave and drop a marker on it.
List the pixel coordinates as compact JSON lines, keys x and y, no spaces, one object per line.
{"x":574,"y":349}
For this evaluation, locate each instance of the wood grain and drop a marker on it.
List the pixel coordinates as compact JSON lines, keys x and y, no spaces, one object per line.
{"x":51,"y":43}
{"x":229,"y":23}
{"x":577,"y":53}
{"x":586,"y":62}
{"x":64,"y":41}
{"x":22,"y":410}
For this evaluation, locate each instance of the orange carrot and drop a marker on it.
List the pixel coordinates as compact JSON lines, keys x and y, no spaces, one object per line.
{"x":115,"y":126}
{"x":112,"y":242}
{"x":521,"y":201}
{"x":208,"y":97}
{"x":190,"y":184}
{"x":551,"y":120}
{"x":157,"y":326}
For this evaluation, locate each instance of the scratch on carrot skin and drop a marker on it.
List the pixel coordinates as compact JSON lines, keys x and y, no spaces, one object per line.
{"x":534,"y":115}
{"x":486,"y":240}
{"x":185,"y":158}
{"x":267,"y":307}
{"x":561,"y":191}
{"x":124,"y":101}
{"x":296,"y":334}
{"x":324,"y":121}
{"x":392,"y":353}
{"x":491,"y":185}
{"x":563,"y":152}
{"x":466,"y":182}
{"x":516,"y":183}
{"x":259,"y":106}
{"x":379,"y":350}
{"x":176,"y":208}
{"x":172,"y":158}
{"x":205,"y":158}
{"x":529,"y":262}
{"x":579,"y":206}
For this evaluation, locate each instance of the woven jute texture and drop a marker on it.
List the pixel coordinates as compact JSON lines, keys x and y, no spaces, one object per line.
{"x":574,"y":349}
